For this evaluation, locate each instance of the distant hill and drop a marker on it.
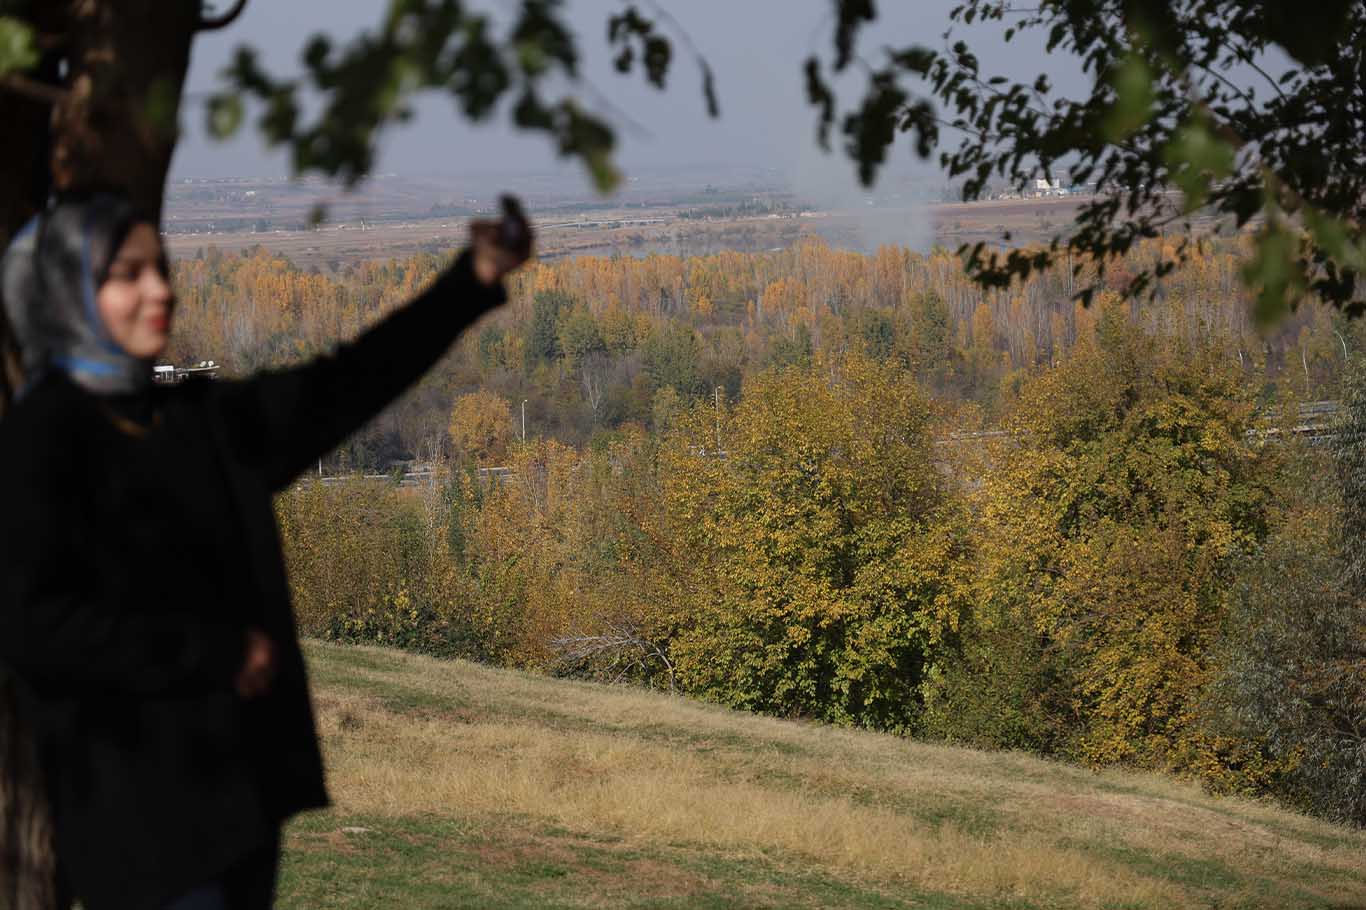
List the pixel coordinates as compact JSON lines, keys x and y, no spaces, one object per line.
{"x":457,"y":785}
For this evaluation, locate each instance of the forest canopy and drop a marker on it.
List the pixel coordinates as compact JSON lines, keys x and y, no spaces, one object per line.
{"x":860,"y":489}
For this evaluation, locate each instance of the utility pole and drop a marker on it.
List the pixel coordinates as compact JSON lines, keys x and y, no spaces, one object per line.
{"x":524,"y":423}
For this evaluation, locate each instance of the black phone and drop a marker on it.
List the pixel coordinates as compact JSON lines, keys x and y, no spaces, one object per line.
{"x":514,"y":226}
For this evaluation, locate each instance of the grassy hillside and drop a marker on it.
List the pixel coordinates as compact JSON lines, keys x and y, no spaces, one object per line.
{"x":462,"y":786}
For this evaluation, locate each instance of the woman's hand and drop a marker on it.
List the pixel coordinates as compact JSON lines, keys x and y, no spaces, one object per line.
{"x":498,"y":247}
{"x":258,"y":665}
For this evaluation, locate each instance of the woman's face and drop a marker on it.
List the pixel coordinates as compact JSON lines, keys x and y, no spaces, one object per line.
{"x":135,"y":301}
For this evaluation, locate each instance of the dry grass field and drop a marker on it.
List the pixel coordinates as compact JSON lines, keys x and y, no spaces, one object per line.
{"x":659,"y":229}
{"x":458,"y":785}
{"x":617,"y":233}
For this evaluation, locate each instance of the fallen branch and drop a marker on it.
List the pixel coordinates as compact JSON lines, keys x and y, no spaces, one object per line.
{"x":622,"y":646}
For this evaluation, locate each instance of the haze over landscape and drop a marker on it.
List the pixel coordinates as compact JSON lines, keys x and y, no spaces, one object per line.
{"x":755,"y":48}
{"x":764,"y":139}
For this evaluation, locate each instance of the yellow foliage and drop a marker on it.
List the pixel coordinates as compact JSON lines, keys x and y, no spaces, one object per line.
{"x":481,"y":426}
{"x":824,"y":553}
{"x":1108,"y":526}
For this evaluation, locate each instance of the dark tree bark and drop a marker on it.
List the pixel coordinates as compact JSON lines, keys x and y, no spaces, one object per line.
{"x":24,"y":164}
{"x":107,"y":123}
{"x":99,"y":114}
{"x":116,"y":128}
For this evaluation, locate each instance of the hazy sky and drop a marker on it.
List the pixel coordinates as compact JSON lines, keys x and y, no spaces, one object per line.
{"x":756,"y":48}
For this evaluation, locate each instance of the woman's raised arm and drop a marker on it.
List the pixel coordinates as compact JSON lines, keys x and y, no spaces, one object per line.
{"x":281,"y":422}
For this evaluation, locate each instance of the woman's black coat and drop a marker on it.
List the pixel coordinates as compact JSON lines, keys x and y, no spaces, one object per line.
{"x":134,"y":562}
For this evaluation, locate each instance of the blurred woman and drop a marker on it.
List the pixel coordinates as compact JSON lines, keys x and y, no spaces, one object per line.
{"x":144,"y":609}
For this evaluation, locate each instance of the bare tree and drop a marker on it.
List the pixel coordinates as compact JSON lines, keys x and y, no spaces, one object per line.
{"x":592,"y":366}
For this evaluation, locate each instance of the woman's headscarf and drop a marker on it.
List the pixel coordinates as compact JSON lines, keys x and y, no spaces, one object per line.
{"x":48,"y":280}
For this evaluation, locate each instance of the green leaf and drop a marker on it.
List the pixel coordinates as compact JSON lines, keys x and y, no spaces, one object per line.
{"x":280,"y":117}
{"x":17,"y":49}
{"x":658,"y":53}
{"x":819,"y":95}
{"x":1132,"y":81}
{"x":1275,"y":271}
{"x":224,"y":115}
{"x":316,"y":51}
{"x":605,"y":175}
{"x":1335,"y":238}
{"x":529,"y":113}
{"x":532,"y":59}
{"x":1196,"y":157}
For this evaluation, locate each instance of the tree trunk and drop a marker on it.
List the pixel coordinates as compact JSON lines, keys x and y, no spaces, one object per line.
{"x":99,"y":114}
{"x":119,"y":66}
{"x":24,"y":164}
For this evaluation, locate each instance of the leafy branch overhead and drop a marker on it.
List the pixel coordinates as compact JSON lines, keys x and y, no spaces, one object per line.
{"x":1184,"y":116}
{"x":1246,"y":113}
{"x":1186,"y":113}
{"x":439,"y":45}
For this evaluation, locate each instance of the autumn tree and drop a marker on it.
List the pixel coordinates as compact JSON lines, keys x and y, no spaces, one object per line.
{"x":542,"y":333}
{"x":481,"y":426}
{"x":1291,"y":676}
{"x":670,"y":356}
{"x":1109,"y":530}
{"x":369,"y":563}
{"x":604,"y":348}
{"x":825,"y":546}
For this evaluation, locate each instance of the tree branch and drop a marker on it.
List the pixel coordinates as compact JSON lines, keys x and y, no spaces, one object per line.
{"x":615,"y":644}
{"x":32,"y":89}
{"x":222,"y":20}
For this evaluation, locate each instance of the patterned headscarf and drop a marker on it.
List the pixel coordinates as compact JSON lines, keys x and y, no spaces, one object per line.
{"x":48,"y":280}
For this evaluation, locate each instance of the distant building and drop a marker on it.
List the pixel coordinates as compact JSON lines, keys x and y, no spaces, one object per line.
{"x":1045,"y":186}
{"x":170,"y":374}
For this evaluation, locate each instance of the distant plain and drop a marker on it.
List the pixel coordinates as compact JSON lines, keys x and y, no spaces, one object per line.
{"x":699,"y":215}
